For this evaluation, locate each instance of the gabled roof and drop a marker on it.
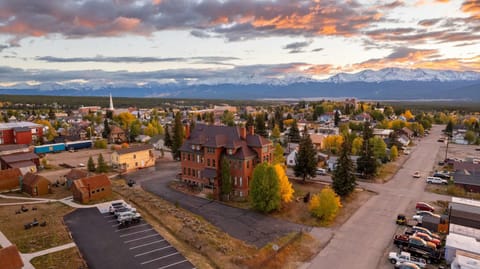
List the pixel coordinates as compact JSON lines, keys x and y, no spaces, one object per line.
{"x":75,"y":174}
{"x":116,"y":130}
{"x":10,"y":258}
{"x":244,"y":152}
{"x":134,"y":149}
{"x":93,"y":182}
{"x":13,"y":147}
{"x":32,"y":179}
{"x":257,"y":141}
{"x":9,"y":174}
{"x":17,"y":157}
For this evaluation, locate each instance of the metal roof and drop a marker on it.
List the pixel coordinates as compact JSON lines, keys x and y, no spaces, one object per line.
{"x":11,"y":125}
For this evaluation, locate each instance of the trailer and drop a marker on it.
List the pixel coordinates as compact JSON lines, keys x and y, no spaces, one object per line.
{"x":82,"y":144}
{"x":49,"y":148}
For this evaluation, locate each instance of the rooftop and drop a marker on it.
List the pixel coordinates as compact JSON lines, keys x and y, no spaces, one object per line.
{"x":134,"y":149}
{"x":19,"y":124}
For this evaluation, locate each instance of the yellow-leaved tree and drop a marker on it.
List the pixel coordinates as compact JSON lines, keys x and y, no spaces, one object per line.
{"x":408,"y":114}
{"x":325,"y":205}
{"x":286,"y":189}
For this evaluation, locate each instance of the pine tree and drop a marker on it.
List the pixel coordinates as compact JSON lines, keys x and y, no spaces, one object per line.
{"x":265,"y":189}
{"x":336,"y":118}
{"x":449,"y":129}
{"x":101,"y":165}
{"x":226,"y":184}
{"x":306,"y":159}
{"x":91,"y":165}
{"x":294,"y":133}
{"x":106,"y":129}
{"x":260,"y":128}
{"x":250,"y":121}
{"x":177,"y":140}
{"x":367,"y":163}
{"x":343,"y":176}
{"x":168,"y":139}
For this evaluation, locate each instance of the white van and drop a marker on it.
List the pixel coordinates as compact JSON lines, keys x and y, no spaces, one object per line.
{"x":321,"y":171}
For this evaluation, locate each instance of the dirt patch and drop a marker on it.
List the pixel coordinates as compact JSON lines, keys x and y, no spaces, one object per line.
{"x":36,"y":238}
{"x":69,"y":258}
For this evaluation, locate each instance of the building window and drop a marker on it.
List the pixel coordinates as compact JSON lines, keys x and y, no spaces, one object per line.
{"x":211,"y":150}
{"x":208,"y":162}
{"x":241,"y":193}
{"x":184,"y":171}
{"x":193,"y":172}
{"x":240,"y":182}
{"x":93,"y":192}
{"x":230,"y":151}
{"x":248,"y":164}
{"x":103,"y":189}
{"x":136,"y":164}
{"x":213,"y":162}
{"x":198,"y":158}
{"x":134,"y":156}
{"x":235,"y":181}
{"x":188,"y":156}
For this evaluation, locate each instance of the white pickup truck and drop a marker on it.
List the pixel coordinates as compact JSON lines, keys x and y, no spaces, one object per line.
{"x":129,"y":217}
{"x":403,"y":256}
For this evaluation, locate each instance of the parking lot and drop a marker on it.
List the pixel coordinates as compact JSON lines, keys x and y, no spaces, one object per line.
{"x":106,"y":244}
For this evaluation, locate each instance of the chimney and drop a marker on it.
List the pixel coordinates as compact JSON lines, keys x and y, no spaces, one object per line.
{"x":250,"y":130}
{"x":187,"y":131}
{"x":243,"y":132}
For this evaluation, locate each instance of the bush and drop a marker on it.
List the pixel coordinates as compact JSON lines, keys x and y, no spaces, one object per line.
{"x":325,"y":205}
{"x":454,"y":190}
{"x":100,"y":144}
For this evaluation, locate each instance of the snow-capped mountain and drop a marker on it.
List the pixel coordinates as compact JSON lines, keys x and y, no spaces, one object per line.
{"x":392,"y":74}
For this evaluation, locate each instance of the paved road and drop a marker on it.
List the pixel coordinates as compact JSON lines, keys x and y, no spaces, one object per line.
{"x":246,"y":225}
{"x":362,"y":241}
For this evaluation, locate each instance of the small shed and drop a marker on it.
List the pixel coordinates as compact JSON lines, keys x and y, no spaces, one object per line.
{"x":10,"y":258}
{"x":73,"y":175}
{"x":35,"y":185}
{"x":90,"y":189}
{"x":10,"y":179}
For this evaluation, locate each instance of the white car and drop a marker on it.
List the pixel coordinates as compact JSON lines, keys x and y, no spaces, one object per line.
{"x":436,"y":180}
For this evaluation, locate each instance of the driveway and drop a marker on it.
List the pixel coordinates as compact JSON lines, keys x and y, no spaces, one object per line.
{"x":363,"y":240}
{"x":246,"y":225}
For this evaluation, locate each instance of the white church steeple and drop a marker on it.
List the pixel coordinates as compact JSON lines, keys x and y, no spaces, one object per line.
{"x":111,"y":104}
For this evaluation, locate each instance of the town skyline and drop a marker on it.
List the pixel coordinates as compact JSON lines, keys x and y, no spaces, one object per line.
{"x":160,"y":41}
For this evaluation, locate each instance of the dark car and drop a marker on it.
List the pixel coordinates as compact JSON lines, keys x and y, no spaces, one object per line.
{"x":441,"y":175}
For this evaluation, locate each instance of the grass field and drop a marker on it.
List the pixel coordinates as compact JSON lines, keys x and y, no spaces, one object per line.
{"x":69,"y":258}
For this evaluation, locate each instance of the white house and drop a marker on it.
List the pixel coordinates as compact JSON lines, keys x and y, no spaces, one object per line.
{"x":292,"y":158}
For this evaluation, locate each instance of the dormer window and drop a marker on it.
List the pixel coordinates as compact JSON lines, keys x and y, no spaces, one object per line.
{"x":230,"y":151}
{"x":193,"y":147}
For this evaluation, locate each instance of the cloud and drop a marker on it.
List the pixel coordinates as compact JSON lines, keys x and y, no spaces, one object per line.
{"x":429,"y":22}
{"x":103,"y":59}
{"x":297,"y":47}
{"x":317,"y":49}
{"x":200,"y":34}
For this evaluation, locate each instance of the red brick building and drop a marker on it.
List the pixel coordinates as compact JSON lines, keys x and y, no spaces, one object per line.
{"x":94,"y":188}
{"x":35,"y":185}
{"x":20,"y":133}
{"x":207,"y":145}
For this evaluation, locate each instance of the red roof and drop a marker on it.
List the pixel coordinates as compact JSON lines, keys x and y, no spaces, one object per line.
{"x":32,"y":179}
{"x":93,"y":182}
{"x":10,"y":258}
{"x":75,"y":174}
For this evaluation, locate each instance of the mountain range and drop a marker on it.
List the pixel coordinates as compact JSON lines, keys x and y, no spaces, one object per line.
{"x":384,"y":84}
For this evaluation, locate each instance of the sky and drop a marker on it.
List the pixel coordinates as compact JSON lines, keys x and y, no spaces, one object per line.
{"x":138,"y":42}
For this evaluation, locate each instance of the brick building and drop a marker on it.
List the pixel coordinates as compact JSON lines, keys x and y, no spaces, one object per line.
{"x":94,"y":188}
{"x":23,"y":132}
{"x":207,"y":145}
{"x":35,"y":185}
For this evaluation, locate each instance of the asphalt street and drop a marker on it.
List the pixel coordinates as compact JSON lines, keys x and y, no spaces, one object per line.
{"x":363,"y":240}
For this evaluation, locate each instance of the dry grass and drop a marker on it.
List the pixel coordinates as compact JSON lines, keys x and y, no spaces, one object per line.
{"x":387,"y":170}
{"x":69,"y":258}
{"x":452,"y":190}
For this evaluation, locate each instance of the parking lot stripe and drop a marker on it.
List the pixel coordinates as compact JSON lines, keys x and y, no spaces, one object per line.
{"x":142,"y":231}
{"x":115,"y":225}
{"x":148,"y":252}
{"x":173,"y":264}
{"x":132,"y":240}
{"x":151,"y":243}
{"x":159,"y":258}
{"x":112,"y":220}
{"x":135,"y":226}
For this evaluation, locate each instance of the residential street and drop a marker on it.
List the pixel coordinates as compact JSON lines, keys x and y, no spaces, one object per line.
{"x":362,"y":241}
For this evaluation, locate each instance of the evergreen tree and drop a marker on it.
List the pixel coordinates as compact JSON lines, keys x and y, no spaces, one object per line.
{"x":278,"y":116}
{"x":106,"y":129}
{"x":336,"y":118}
{"x":51,"y":114}
{"x":367,"y":163}
{"x":449,"y":129}
{"x":275,"y":133}
{"x":250,"y":121}
{"x":294,"y":133}
{"x":306,"y":159}
{"x":260,"y":128}
{"x":177,"y":140}
{"x":101,"y":165}
{"x":168,"y":138}
{"x":343,"y":176}
{"x":91,"y":165}
{"x":265,"y":188}
{"x":227,"y":184}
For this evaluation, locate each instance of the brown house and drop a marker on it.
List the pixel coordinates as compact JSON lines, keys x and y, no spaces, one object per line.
{"x":94,"y":188}
{"x":73,"y":175}
{"x":10,"y":179}
{"x":207,"y":146}
{"x":117,"y":135}
{"x":35,"y":185}
{"x":10,"y":258}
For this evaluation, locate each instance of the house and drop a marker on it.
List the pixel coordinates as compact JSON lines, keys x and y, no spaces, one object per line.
{"x":383,"y":133}
{"x":10,"y":258}
{"x":157,"y":142}
{"x":143,"y":138}
{"x":90,"y":189}
{"x":13,"y":148}
{"x":404,"y":140}
{"x":26,"y":161}
{"x":363,"y":117}
{"x":409,"y":133}
{"x":35,"y":185}
{"x":467,"y":176}
{"x":10,"y":179}
{"x":73,"y":175}
{"x":22,"y":132}
{"x":292,"y":158}
{"x":133,"y":158}
{"x":207,"y":146}
{"x":117,"y":135}
{"x":317,"y":140}
{"x":332,"y":162}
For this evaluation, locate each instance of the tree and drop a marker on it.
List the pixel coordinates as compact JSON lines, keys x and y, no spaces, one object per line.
{"x":227,"y":184}
{"x":51,"y":133}
{"x":294,"y":133}
{"x":470,"y":137}
{"x":250,"y":121}
{"x":357,"y":145}
{"x":325,"y":205}
{"x":150,"y":130}
{"x":51,"y":114}
{"x":379,"y":147}
{"x":343,"y":178}
{"x":228,"y":118}
{"x":449,"y":128}
{"x":265,"y":189}
{"x":332,"y":143}
{"x":393,"y":153}
{"x":168,"y":140}
{"x":177,"y":139}
{"x":336,"y":118}
{"x":278,"y":157}
{"x":260,"y":128}
{"x":366,"y":163}
{"x":306,"y":159}
{"x":286,"y":189}
{"x":275,"y":133}
{"x":106,"y":129}
{"x":101,"y":165}
{"x":134,"y":130}
{"x":91,"y":165}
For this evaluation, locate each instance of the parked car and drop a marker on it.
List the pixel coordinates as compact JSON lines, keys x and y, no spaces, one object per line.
{"x":403,"y":256}
{"x":441,"y":175}
{"x":416,"y":174}
{"x":321,"y":171}
{"x":415,"y":229}
{"x":428,"y":238}
{"x":424,"y":213}
{"x":406,"y":265}
{"x":436,"y":180}
{"x":424,"y":206}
